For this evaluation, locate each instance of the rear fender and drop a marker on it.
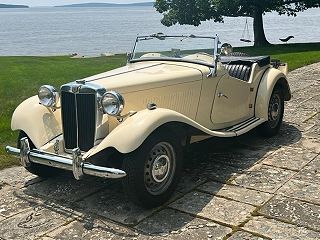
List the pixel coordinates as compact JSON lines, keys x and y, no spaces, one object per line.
{"x":270,"y":79}
{"x":38,"y":122}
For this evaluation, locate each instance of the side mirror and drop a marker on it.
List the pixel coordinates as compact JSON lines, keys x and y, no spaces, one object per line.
{"x":226,"y":49}
{"x":129,"y":56}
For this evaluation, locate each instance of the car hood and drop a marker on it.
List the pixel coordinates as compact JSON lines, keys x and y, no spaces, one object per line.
{"x":145,"y":75}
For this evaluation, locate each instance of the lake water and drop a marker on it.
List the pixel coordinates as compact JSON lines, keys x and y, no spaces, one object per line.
{"x":92,"y":31}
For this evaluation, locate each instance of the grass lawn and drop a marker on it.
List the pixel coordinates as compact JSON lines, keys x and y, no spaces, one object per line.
{"x":20,"y":78}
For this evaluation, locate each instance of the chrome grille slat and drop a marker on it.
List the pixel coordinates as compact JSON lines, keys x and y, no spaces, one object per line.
{"x":69,"y":121}
{"x":86,"y":115}
{"x":78,"y":120}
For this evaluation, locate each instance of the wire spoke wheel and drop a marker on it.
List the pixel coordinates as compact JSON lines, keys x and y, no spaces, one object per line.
{"x":159,"y":168}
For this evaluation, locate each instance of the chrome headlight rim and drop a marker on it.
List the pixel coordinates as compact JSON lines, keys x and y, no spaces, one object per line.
{"x":51,"y":98}
{"x":119,"y":100}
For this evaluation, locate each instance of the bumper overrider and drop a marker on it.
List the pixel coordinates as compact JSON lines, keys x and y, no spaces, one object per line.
{"x":78,"y":167}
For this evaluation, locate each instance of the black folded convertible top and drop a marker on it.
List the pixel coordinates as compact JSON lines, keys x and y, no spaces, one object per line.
{"x":260,"y":60}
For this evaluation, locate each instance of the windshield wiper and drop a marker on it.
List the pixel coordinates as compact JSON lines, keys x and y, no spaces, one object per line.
{"x":162,"y":36}
{"x":187,"y":37}
{"x":159,"y":36}
{"x":144,"y":39}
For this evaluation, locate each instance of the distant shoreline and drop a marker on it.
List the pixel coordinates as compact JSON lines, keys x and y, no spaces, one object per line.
{"x":106,"y":5}
{"x":13,"y":6}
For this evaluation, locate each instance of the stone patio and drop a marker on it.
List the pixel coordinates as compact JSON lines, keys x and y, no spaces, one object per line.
{"x":242,"y":188}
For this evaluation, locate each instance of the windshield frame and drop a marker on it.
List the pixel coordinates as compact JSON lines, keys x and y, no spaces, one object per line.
{"x":162,"y":36}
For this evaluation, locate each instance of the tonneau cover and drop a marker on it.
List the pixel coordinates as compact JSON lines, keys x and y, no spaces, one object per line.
{"x":260,"y":60}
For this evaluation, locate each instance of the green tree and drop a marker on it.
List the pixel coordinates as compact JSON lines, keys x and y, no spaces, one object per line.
{"x":193,"y":12}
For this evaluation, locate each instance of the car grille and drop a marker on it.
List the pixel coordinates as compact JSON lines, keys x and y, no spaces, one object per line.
{"x":78,"y":113}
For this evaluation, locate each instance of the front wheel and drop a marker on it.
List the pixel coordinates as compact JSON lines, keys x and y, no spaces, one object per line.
{"x":275,"y":114}
{"x":153,"y":170}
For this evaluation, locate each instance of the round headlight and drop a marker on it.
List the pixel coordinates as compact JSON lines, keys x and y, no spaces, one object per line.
{"x":112,"y":103}
{"x":48,"y":95}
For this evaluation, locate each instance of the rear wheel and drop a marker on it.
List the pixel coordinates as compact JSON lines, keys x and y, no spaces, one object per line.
{"x":37,"y":169}
{"x":153,"y":170}
{"x":275,"y":114}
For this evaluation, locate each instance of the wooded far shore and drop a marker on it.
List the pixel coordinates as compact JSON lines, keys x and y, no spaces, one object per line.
{"x":13,"y":6}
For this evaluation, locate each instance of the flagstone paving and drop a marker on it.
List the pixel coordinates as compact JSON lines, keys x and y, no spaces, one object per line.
{"x":242,"y":188}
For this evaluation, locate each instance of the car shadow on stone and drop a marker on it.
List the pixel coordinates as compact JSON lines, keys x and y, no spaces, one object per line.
{"x":212,"y":171}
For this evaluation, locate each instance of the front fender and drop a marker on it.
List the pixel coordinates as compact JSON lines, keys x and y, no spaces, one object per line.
{"x":38,"y":122}
{"x":271,"y":77}
{"x":130,"y":134}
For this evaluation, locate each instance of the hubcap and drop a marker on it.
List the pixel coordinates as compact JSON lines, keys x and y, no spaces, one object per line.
{"x":159,"y":168}
{"x":274,"y":110}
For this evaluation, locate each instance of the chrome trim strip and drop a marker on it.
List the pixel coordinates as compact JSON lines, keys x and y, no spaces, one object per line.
{"x":168,"y":59}
{"x":248,"y":124}
{"x":76,"y":165}
{"x":240,"y":124}
{"x":250,"y":127}
{"x":76,"y":87}
{"x":124,"y":72}
{"x":243,"y":125}
{"x":77,"y":122}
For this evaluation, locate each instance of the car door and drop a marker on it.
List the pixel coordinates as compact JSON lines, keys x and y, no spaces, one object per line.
{"x":232,"y":102}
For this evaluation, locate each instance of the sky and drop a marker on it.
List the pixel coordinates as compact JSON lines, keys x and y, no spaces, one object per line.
{"x":34,"y":3}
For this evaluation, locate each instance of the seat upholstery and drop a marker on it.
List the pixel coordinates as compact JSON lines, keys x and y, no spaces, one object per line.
{"x":239,"y":71}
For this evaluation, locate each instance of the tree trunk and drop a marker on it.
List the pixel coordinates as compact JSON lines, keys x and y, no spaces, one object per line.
{"x":259,"y":36}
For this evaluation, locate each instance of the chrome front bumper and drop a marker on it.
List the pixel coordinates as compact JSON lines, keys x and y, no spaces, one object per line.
{"x":76,"y":164}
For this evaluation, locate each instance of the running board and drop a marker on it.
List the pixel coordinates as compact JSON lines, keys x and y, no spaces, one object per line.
{"x":244,"y":126}
{"x":238,"y":129}
{"x":241,"y":125}
{"x":234,"y":131}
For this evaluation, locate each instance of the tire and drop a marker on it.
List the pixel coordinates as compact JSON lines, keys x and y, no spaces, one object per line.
{"x":275,"y":114}
{"x":37,"y":169}
{"x":145,"y":185}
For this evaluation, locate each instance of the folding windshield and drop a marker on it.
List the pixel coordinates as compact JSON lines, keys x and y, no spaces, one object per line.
{"x":189,"y":48}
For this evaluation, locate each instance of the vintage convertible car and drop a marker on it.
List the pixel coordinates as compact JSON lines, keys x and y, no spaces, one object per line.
{"x":132,"y":122}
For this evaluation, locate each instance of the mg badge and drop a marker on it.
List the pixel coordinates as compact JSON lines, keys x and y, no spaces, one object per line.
{"x":76,"y":88}
{"x":56,"y":147}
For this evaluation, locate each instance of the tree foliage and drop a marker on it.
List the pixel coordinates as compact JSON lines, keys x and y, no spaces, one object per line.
{"x":193,"y":12}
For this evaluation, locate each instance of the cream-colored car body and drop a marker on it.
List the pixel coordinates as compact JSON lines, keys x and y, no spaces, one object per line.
{"x":41,"y":124}
{"x":185,"y":93}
